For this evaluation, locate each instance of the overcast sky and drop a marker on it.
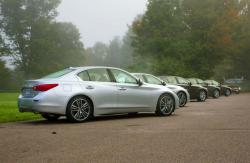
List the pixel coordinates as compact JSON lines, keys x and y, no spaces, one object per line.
{"x":100,"y":20}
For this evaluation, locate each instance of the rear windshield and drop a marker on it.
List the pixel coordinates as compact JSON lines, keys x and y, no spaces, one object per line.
{"x":58,"y":74}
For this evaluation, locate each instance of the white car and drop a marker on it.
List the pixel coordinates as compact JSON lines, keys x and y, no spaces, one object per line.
{"x":84,"y":92}
{"x":182,"y":93}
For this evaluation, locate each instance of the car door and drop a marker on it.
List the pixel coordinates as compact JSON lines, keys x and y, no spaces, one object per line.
{"x":98,"y":84}
{"x":132,"y":97}
{"x":185,"y":84}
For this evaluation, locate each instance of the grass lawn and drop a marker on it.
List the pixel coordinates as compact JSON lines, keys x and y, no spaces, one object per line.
{"x":9,"y":111}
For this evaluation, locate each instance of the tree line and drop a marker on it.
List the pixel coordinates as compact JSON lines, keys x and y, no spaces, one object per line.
{"x":205,"y":39}
{"x":190,"y":38}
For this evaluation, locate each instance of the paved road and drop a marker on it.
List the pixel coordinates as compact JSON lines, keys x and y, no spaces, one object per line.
{"x":214,"y":131}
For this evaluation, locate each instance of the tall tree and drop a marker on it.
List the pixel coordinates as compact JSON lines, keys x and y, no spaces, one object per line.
{"x":159,"y":42}
{"x":35,"y":38}
{"x":5,"y":76}
{"x":97,"y":54}
{"x":114,"y":53}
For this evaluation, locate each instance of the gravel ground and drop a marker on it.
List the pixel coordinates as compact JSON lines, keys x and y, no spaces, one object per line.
{"x":214,"y":131}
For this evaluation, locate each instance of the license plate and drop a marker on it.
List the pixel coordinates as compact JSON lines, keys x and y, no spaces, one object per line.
{"x":28,"y":92}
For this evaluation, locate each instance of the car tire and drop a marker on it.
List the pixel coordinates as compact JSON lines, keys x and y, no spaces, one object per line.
{"x":165,"y":105}
{"x":50,"y":117}
{"x":227,"y":92}
{"x":202,"y":96}
{"x":79,"y":109}
{"x":182,"y":98}
{"x":216,"y":93}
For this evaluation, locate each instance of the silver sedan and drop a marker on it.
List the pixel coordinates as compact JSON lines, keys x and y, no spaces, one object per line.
{"x":182,"y":93}
{"x":84,"y":92}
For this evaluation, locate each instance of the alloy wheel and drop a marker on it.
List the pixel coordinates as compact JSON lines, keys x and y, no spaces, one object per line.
{"x":203,"y":95}
{"x":166,"y":104}
{"x":228,"y":92}
{"x":80,"y":109}
{"x":182,"y":98}
{"x":216,"y":93}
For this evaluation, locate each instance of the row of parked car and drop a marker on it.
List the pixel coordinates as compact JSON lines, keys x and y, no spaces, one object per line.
{"x":81,"y":93}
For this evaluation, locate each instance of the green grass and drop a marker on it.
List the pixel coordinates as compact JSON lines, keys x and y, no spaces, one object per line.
{"x":9,"y":110}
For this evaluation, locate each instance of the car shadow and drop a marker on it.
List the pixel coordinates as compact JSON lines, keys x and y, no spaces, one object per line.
{"x":64,"y":121}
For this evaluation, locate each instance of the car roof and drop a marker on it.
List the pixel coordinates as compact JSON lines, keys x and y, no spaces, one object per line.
{"x":93,"y":67}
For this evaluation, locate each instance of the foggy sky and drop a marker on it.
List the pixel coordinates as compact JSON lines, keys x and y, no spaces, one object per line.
{"x":100,"y":20}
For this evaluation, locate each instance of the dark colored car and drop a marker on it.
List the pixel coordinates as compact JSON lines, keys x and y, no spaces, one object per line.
{"x":213,"y":91}
{"x":225,"y":90}
{"x":196,"y":91}
{"x":234,"y":84}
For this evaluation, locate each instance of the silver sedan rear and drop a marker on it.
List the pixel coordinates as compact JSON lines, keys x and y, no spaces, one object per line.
{"x":83,"y":92}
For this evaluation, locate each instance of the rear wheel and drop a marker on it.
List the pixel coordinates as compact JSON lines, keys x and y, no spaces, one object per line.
{"x":202,"y":96}
{"x":182,"y":98}
{"x":216,"y":93}
{"x":79,"y":109}
{"x":227,"y":92}
{"x":165,"y":105}
{"x":50,"y":117}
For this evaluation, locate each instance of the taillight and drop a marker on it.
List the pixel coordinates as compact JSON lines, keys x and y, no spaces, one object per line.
{"x":44,"y":87}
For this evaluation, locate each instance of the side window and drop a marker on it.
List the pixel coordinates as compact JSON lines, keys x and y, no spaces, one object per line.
{"x":122,"y":77}
{"x":153,"y":80}
{"x":99,"y":75}
{"x":84,"y":76}
{"x":140,"y":77}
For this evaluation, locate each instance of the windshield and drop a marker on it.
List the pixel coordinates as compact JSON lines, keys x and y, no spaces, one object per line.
{"x":58,"y":74}
{"x":193,"y":81}
{"x":170,"y":79}
{"x":199,"y":81}
{"x":182,"y":80}
{"x":215,"y":83}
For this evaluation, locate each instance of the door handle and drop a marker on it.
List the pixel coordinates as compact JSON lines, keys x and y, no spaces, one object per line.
{"x":89,"y":87}
{"x":122,"y":89}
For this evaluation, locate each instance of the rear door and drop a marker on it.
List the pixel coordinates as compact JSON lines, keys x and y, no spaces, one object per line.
{"x":103,"y":91}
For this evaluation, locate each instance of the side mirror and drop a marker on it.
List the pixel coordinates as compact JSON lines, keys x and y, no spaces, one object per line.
{"x":164,"y":83}
{"x":140,"y":83}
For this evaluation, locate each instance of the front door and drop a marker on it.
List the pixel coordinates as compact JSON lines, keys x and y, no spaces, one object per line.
{"x":131,"y":96}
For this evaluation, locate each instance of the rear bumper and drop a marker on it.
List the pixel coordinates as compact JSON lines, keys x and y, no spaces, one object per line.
{"x":39,"y":105}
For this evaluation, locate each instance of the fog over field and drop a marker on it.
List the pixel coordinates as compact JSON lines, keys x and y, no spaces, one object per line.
{"x":100,"y":20}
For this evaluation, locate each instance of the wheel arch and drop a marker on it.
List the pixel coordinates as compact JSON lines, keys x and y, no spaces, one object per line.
{"x":171,"y":94}
{"x":83,"y":95}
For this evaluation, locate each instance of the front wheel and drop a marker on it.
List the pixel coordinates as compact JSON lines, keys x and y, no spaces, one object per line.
{"x":79,"y":109}
{"x":182,"y":98}
{"x":165,"y":105}
{"x":216,"y":93}
{"x":50,"y":117}
{"x":228,"y":92}
{"x":202,"y":96}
